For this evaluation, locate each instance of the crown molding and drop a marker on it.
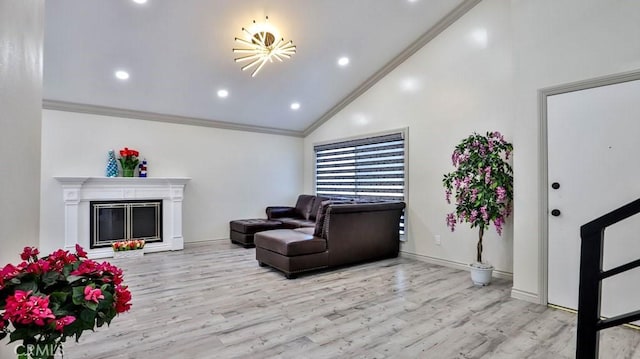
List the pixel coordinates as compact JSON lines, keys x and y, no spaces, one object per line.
{"x":439,"y":27}
{"x":152,"y":116}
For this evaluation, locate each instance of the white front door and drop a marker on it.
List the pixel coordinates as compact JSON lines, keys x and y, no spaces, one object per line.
{"x":594,"y":157}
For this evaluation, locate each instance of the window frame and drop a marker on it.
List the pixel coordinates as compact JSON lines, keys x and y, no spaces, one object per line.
{"x":404,"y":133}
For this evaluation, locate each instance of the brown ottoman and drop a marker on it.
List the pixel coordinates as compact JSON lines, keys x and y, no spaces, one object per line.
{"x":241,"y":231}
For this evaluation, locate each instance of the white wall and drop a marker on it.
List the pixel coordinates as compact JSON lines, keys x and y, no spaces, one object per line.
{"x":21,"y":34}
{"x":557,"y":42}
{"x":456,"y":84}
{"x":234,"y":174}
{"x":453,"y":86}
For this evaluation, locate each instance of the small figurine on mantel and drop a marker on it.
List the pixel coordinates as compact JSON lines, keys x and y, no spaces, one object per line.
{"x":112,"y":165}
{"x":142,"y":168}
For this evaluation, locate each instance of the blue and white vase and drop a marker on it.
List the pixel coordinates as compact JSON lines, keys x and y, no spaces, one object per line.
{"x":112,"y":165}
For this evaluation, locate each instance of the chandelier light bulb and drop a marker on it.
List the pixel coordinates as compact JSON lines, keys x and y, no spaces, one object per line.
{"x":259,"y":45}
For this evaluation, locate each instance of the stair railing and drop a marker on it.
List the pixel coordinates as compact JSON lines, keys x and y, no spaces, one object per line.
{"x":591,"y":276}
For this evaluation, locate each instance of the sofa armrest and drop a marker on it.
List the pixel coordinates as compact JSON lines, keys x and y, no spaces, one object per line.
{"x":281,"y":212}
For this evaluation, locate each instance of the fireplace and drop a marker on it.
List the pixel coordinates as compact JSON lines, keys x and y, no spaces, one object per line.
{"x":112,"y":221}
{"x":121,"y":201}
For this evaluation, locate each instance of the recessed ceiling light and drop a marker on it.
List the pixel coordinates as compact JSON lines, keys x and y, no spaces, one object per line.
{"x":140,"y":1}
{"x":480,"y":36}
{"x":122,"y":75}
{"x":343,"y":61}
{"x":295,"y":106}
{"x":223,"y":93}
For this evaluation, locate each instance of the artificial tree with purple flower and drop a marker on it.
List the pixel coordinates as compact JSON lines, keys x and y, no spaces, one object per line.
{"x":481,"y":184}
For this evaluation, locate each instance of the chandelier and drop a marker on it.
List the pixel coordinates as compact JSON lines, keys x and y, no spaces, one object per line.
{"x":261,"y":45}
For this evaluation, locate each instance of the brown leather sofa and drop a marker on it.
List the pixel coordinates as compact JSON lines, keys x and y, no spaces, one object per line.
{"x":302,"y":215}
{"x":344,"y":233}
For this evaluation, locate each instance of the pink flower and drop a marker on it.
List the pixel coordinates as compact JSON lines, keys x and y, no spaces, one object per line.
{"x":502,"y":193}
{"x":7,"y":273}
{"x":92,"y":295}
{"x":123,"y":298}
{"x":80,"y":251}
{"x":88,"y":267}
{"x":29,"y":252}
{"x":448,"y":196}
{"x":23,"y":308}
{"x":63,"y":322}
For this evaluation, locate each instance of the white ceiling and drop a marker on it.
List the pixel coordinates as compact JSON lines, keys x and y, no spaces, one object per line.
{"x":178,"y":54}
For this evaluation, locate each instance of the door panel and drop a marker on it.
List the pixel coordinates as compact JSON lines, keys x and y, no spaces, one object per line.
{"x":594,"y":154}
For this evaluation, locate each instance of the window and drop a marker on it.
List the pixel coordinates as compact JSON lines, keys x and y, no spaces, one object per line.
{"x":365,"y":168}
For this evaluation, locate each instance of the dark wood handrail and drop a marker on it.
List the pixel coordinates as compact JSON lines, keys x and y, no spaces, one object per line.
{"x":591,"y":276}
{"x":612,"y":217}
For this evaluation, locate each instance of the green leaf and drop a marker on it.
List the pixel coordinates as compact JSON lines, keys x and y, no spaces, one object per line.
{"x":58,"y":297}
{"x":78,"y":295}
{"x":73,"y":278}
{"x":50,"y":278}
{"x":93,"y":306}
{"x":28,"y":286}
{"x":88,"y":318}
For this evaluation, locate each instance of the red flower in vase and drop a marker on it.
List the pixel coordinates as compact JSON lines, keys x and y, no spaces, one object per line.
{"x":128,"y":160}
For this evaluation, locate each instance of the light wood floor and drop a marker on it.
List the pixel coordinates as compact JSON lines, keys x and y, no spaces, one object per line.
{"x":213,"y":301}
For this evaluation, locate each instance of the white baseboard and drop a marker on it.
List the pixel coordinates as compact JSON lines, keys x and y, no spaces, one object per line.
{"x":452,"y":264}
{"x":526,"y":296}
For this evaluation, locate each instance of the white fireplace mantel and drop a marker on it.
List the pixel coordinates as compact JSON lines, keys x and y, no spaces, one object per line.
{"x":78,"y":191}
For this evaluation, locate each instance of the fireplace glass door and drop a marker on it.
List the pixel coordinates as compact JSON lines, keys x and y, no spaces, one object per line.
{"x":124,"y":220}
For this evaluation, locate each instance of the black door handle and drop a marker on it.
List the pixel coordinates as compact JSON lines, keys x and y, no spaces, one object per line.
{"x":555,"y":185}
{"x":555,"y":212}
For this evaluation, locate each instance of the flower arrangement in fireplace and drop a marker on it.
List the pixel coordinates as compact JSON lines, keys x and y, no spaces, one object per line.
{"x":128,"y":245}
{"x":129,"y":161}
{"x":45,"y":300}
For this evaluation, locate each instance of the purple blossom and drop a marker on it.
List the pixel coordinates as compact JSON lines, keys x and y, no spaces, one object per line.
{"x":502,"y":193}
{"x":474,"y":215}
{"x":485,"y":214}
{"x":482,"y":150}
{"x":474,"y":194}
{"x":490,"y":146}
{"x":451,"y":221}
{"x":507,"y":154}
{"x":499,"y":136}
{"x":498,"y":222}
{"x":448,"y":196}
{"x":487,"y":175}
{"x":455,"y":157}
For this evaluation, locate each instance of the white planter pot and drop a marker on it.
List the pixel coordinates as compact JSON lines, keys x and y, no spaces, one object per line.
{"x":481,"y":273}
{"x":132,"y":253}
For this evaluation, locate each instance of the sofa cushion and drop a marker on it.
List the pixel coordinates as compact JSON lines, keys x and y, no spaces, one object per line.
{"x":296,"y":222}
{"x":290,"y":242}
{"x":303,"y":205}
{"x":250,"y":226}
{"x":317,"y":202}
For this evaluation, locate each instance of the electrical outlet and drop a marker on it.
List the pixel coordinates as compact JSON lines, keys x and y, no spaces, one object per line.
{"x":437,"y":239}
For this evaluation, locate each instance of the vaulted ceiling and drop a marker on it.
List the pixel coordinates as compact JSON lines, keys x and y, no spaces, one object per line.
{"x":178,"y":55}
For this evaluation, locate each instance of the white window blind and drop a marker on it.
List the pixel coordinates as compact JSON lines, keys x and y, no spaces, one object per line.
{"x":370,"y":168}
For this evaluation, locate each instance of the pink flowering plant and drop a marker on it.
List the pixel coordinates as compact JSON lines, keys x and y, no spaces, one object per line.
{"x":481,"y":185}
{"x":45,"y":300}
